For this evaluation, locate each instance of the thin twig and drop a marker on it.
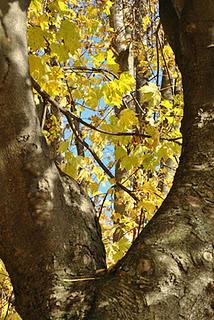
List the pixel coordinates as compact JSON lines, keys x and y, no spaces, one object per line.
{"x":105,"y":169}
{"x":108,"y":132}
{"x":158,"y":60}
{"x":103,"y":71}
{"x":91,"y":69}
{"x":140,"y":222}
{"x":9,"y":303}
{"x":104,"y":199}
{"x":44,"y":114}
{"x":165,"y":64}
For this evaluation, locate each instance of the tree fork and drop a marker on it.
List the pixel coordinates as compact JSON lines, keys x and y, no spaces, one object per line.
{"x":49,"y":238}
{"x":168,"y":272}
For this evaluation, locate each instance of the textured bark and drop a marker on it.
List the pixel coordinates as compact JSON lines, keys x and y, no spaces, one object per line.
{"x":168,"y":272}
{"x":49,"y":234}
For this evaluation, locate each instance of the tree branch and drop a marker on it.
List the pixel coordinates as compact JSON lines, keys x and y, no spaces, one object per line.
{"x":55,"y":104}
{"x":103,"y":71}
{"x":69,"y":118}
{"x":105,"y":169}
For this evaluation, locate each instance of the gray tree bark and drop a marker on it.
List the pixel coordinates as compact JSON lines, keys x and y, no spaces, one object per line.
{"x":49,"y":238}
{"x":126,"y":18}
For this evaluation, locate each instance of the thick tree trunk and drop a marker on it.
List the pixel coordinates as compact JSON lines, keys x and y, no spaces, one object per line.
{"x":49,"y":238}
{"x":168,"y":272}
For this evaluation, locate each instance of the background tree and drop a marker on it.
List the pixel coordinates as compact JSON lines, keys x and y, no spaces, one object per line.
{"x":56,"y":257}
{"x":141,"y":50}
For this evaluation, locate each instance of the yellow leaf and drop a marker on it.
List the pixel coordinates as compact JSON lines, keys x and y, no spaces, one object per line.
{"x":128,"y":118}
{"x":151,"y":94}
{"x":146,"y":21}
{"x":166,"y":103}
{"x":149,"y":188}
{"x":70,"y":33}
{"x":63,"y":146}
{"x":120,"y":152}
{"x":126,"y":82}
{"x":112,"y":180}
{"x":37,"y":67}
{"x":62,"y":5}
{"x":117,"y":216}
{"x":156,"y":138}
{"x":108,"y":5}
{"x":36,"y":38}
{"x":94,"y":188}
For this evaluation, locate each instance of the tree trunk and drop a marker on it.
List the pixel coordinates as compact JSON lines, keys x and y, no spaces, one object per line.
{"x":168,"y":272}
{"x":49,"y":235}
{"x":49,"y":239}
{"x":126,"y":21}
{"x":123,"y":45}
